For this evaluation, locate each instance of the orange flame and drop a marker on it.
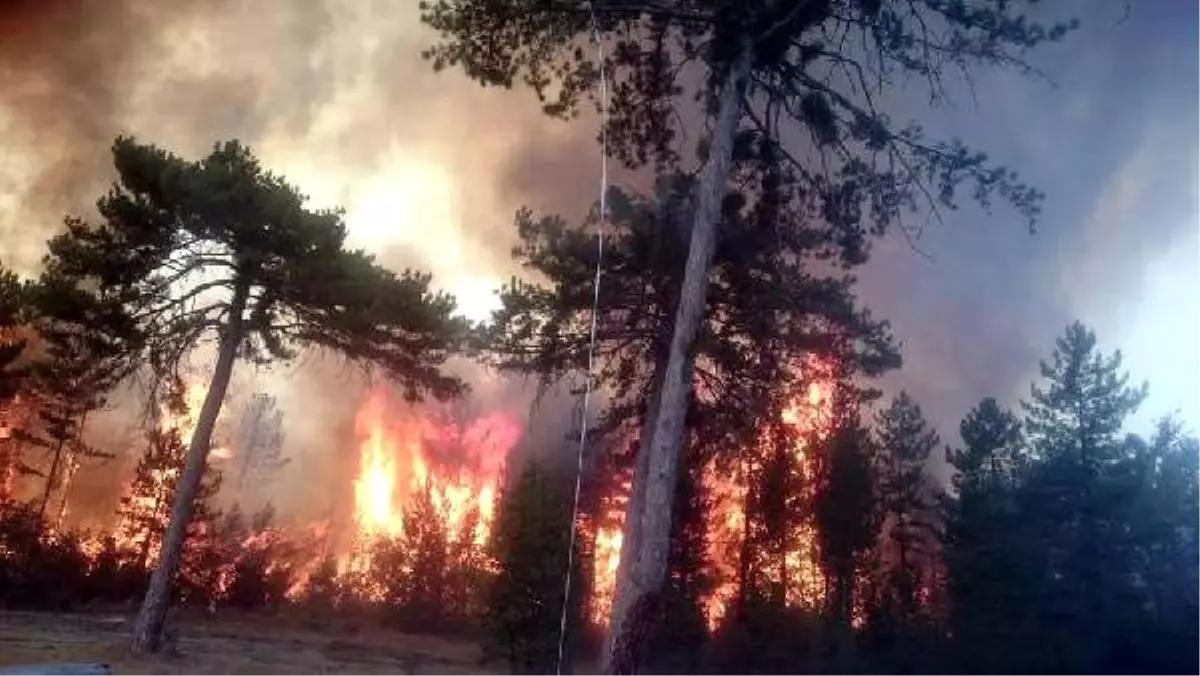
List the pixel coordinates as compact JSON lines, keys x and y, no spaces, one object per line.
{"x":609,"y":535}
{"x":459,"y":466}
{"x":726,"y":521}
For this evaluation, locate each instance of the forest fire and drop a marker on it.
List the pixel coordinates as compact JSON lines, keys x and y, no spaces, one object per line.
{"x":797,"y":571}
{"x":606,"y":550}
{"x":416,"y":470}
{"x":456,"y":467}
{"x":726,"y":525}
{"x":150,"y":504}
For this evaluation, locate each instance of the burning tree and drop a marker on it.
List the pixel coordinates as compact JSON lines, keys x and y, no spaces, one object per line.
{"x":767,"y":315}
{"x":814,"y":69}
{"x":145,"y":508}
{"x":12,"y":348}
{"x":424,"y":505}
{"x":903,"y":604}
{"x":222,"y":250}
{"x":74,"y":369}
{"x":12,"y":302}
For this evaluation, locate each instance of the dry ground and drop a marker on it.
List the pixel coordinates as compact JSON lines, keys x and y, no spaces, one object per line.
{"x":233,"y":644}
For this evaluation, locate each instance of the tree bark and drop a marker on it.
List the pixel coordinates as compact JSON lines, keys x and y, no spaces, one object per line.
{"x":50,"y":481}
{"x":643,"y":567}
{"x":147,"y":630}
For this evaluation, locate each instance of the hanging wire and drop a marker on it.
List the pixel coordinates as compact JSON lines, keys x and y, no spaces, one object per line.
{"x":591,"y":354}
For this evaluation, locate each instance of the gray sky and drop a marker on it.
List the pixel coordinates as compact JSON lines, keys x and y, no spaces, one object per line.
{"x":431,"y":168}
{"x":1113,"y":142}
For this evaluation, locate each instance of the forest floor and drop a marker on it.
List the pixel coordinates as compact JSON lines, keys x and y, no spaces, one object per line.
{"x":232,"y":644}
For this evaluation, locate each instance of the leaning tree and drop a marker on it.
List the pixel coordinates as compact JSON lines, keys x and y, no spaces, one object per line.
{"x":221,"y":251}
{"x":810,"y":76}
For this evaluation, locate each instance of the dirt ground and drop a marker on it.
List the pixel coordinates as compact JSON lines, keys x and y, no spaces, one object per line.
{"x":233,"y":645}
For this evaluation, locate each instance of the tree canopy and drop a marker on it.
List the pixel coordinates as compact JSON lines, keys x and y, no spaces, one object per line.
{"x":766,"y":314}
{"x":819,"y":70}
{"x":185,"y":248}
{"x":222,"y":250}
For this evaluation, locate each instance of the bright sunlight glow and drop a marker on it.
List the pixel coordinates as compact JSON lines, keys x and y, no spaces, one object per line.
{"x":1160,"y":337}
{"x":408,"y":214}
{"x":412,"y":202}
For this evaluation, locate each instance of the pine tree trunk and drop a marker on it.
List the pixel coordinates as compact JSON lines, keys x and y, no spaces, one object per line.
{"x":641,"y":575}
{"x":65,"y":489}
{"x":147,"y":630}
{"x":50,"y":479}
{"x":72,"y":466}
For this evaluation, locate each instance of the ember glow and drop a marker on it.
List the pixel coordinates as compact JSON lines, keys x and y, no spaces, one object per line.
{"x":808,"y":415}
{"x":453,"y":466}
{"x":153,"y":503}
{"x":459,"y":464}
{"x":606,"y":549}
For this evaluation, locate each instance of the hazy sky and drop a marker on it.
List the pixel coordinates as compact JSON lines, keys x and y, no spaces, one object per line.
{"x":431,"y":168}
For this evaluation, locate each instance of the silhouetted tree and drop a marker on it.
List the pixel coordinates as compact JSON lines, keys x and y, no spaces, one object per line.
{"x":907,"y":499}
{"x":676,"y":644}
{"x":773,"y":67}
{"x":78,"y":363}
{"x":525,"y":598}
{"x":766,"y":315}
{"x":847,"y":513}
{"x":990,"y":610}
{"x":221,"y":248}
{"x":1073,"y":498}
{"x":145,"y":508}
{"x":322,"y":591}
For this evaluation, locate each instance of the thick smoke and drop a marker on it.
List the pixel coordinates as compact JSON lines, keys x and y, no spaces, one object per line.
{"x":335,"y":97}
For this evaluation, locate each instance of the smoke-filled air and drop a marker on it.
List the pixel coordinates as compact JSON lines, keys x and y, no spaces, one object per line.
{"x":599,"y":336}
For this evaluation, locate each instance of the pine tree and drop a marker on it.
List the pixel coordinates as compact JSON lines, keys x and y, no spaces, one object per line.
{"x":77,"y":364}
{"x":1080,"y":412}
{"x":222,"y":249}
{"x":846,"y":512}
{"x":907,"y":499}
{"x":414,"y":570}
{"x":768,"y":66}
{"x":1074,"y":422}
{"x":990,"y":605}
{"x":993,"y":449}
{"x":146,"y":506}
{"x":767,"y":313}
{"x":1164,"y":532}
{"x":322,"y":592}
{"x":676,"y":644}
{"x":529,"y":547}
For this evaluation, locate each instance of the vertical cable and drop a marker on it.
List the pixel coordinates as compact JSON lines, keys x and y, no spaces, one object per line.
{"x":591,"y":356}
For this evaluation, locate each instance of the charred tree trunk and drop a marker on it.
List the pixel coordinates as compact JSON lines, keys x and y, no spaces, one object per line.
{"x":147,"y":630}
{"x":641,"y":574}
{"x":69,"y":471}
{"x":68,"y":474}
{"x":51,"y":477}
